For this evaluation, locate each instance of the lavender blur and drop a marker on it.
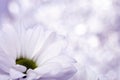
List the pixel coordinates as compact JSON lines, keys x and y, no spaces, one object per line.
{"x":90,"y":26}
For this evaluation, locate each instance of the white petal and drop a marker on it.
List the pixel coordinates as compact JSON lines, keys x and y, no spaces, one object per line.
{"x":33,"y":37}
{"x":32,"y":75}
{"x":58,"y":68}
{"x":81,"y":73}
{"x":6,"y":62}
{"x":9,"y":40}
{"x":55,"y":71}
{"x":20,"y":68}
{"x":52,"y":47}
{"x":14,"y":74}
{"x":44,"y":41}
{"x":4,"y":77}
{"x":62,"y":59}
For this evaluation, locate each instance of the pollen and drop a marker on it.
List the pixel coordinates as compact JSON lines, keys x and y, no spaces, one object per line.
{"x":28,"y":63}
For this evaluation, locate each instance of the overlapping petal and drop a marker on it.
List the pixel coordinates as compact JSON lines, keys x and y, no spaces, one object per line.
{"x":37,"y":43}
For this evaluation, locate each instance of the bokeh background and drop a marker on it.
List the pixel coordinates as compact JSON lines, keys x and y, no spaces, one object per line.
{"x":91,"y":27}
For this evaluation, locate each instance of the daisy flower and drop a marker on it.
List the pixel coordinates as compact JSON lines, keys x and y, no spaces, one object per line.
{"x":33,"y":53}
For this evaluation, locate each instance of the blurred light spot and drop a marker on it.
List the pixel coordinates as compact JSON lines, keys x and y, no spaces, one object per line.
{"x":101,"y":5}
{"x":14,"y":8}
{"x":113,"y":39}
{"x":95,"y":25}
{"x":93,"y":41}
{"x":25,"y":4}
{"x":48,"y":13}
{"x":80,"y":29}
{"x":111,"y":75}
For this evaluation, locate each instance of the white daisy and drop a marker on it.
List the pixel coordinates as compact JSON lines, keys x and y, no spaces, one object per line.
{"x":33,"y":53}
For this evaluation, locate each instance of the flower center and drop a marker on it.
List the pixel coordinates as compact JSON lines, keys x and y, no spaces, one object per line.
{"x":28,"y":63}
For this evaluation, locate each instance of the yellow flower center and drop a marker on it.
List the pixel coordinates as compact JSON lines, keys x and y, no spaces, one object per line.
{"x":28,"y":63}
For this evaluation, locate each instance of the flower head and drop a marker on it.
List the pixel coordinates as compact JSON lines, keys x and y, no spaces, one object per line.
{"x":33,"y":53}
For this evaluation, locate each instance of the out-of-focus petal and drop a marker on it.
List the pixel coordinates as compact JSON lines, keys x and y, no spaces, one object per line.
{"x":4,"y":77}
{"x":14,"y":74}
{"x":20,"y":68}
{"x":52,"y":47}
{"x":55,"y":71}
{"x":58,"y":68}
{"x":9,"y":41}
{"x":6,"y":62}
